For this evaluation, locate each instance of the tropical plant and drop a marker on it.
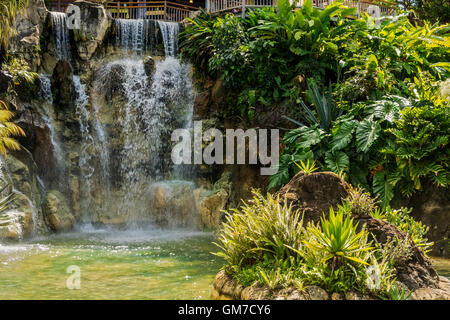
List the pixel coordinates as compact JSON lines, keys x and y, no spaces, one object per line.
{"x":266,"y":242}
{"x":7,"y":130}
{"x":337,"y":238}
{"x":393,"y":144}
{"x":324,"y":108}
{"x":259,"y":230}
{"x":395,"y":293}
{"x":21,"y":72}
{"x":8,"y":12}
{"x":416,"y":230}
{"x":361,"y":203}
{"x":307,"y":168}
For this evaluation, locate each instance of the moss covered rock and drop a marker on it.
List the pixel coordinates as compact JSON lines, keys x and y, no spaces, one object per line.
{"x":57,"y":213}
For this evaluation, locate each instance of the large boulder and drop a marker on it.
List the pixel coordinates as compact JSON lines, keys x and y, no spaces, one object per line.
{"x":21,"y":218}
{"x":56,"y":212}
{"x":95,"y":22}
{"x":314,"y":194}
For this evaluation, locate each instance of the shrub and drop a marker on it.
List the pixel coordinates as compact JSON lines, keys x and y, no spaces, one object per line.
{"x":265,"y":241}
{"x":415,"y":229}
{"x":261,"y":229}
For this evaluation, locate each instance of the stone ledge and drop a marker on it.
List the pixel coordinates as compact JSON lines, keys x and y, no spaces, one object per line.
{"x":227,"y":288}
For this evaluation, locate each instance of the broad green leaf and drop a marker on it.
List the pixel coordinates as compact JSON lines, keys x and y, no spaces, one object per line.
{"x":383,"y":188}
{"x":337,"y":161}
{"x":343,"y":136}
{"x":367,"y":133}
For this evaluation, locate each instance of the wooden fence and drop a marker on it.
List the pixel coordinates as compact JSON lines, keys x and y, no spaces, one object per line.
{"x":155,"y":10}
{"x":173,"y":11}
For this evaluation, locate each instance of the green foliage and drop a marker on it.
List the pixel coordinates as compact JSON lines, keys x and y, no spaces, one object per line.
{"x":382,"y":124}
{"x":338,"y":240}
{"x":9,"y":9}
{"x":430,"y":10}
{"x":360,"y":203}
{"x":20,"y":71}
{"x":415,"y":229}
{"x":307,"y":168}
{"x":259,"y":230}
{"x":266,"y":242}
{"x":8,"y":129}
{"x":323,"y":106}
{"x":395,"y":293}
{"x":392,"y":144}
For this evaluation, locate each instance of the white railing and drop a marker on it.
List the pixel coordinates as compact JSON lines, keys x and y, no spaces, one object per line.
{"x":235,"y":6}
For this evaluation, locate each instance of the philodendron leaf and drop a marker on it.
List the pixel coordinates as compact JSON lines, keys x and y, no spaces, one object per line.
{"x":337,"y":161}
{"x":310,"y":136}
{"x":343,"y":136}
{"x":366,"y":134}
{"x":383,"y":188}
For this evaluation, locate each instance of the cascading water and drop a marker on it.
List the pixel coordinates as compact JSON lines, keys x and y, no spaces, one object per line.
{"x":125,"y":119}
{"x":61,"y":35}
{"x":136,"y":35}
{"x":169,"y":31}
{"x":132,"y":115}
{"x":49,"y":118}
{"x":149,"y":107}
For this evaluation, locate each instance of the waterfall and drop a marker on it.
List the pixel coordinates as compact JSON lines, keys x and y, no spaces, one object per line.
{"x":169,"y":31}
{"x":125,"y":120}
{"x":136,"y":35}
{"x":86,"y":169}
{"x":61,"y":33}
{"x":94,"y":155}
{"x":139,"y":35}
{"x":49,"y":119}
{"x":145,"y":109}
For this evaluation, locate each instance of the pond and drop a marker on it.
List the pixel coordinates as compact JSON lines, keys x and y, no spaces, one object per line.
{"x":113,"y":264}
{"x":138,"y":264}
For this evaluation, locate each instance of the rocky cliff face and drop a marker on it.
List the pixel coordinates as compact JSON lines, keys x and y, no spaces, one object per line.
{"x":81,"y":164}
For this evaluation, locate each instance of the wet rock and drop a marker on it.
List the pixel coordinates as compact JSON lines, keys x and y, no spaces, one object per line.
{"x":337,"y":296}
{"x":255,"y":292}
{"x":315,"y":293}
{"x":432,"y":207}
{"x":95,"y":22}
{"x":296,"y":295}
{"x":62,"y":84}
{"x":17,"y":222}
{"x":149,"y":65}
{"x":48,"y":62}
{"x":56,"y":212}
{"x":210,"y":209}
{"x":355,"y":295}
{"x":441,"y":292}
{"x":5,"y":81}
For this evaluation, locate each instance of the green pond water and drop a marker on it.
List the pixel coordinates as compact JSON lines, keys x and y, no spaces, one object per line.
{"x":135,"y":264}
{"x":138,"y":264}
